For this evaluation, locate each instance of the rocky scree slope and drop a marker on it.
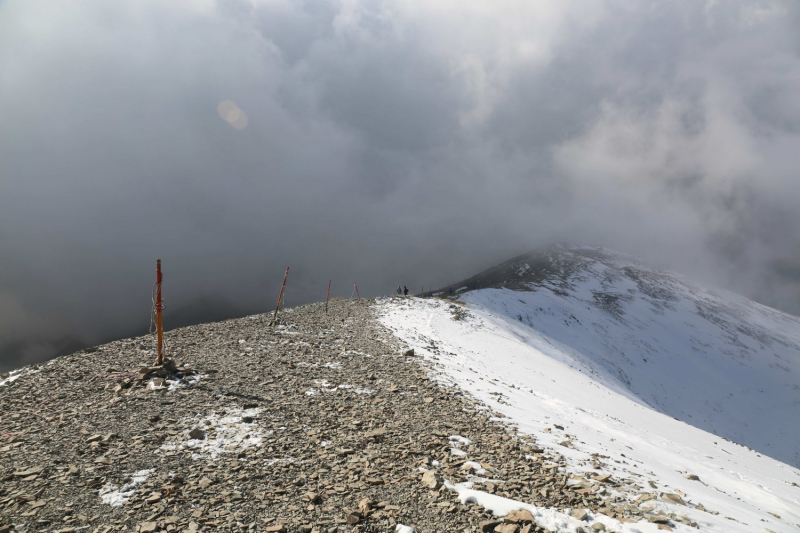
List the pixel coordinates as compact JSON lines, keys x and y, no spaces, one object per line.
{"x":319,"y":423}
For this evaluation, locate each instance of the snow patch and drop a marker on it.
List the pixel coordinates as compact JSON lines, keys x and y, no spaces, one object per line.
{"x":183,"y":383}
{"x":12,"y":376}
{"x":16,"y":374}
{"x":333,"y":366}
{"x":550,"y":519}
{"x":115,"y":496}
{"x":326,"y":386}
{"x":225,"y":432}
{"x":476,"y":467}
{"x":284,"y":460}
{"x":456,"y":440}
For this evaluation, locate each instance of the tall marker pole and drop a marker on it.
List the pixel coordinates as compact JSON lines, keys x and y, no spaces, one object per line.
{"x":359,"y":296}
{"x":328,"y":297}
{"x":159,"y":307}
{"x":281,"y":296}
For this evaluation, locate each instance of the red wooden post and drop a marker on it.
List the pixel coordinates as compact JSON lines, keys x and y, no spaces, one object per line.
{"x":280,"y":297}
{"x":328,"y":297}
{"x":159,"y":307}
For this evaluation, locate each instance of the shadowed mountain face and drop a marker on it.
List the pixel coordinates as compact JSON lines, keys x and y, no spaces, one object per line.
{"x":711,"y":358}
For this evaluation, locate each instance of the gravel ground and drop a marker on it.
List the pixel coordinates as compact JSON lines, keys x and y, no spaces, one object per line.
{"x":321,"y":422}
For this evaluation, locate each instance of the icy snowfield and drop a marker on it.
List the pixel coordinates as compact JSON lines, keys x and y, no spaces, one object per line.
{"x":545,"y":360}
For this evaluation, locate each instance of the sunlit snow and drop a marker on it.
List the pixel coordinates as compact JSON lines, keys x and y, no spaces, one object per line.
{"x":540,"y":360}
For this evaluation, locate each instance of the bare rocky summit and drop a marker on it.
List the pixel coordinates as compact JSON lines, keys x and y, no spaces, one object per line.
{"x":322,"y":422}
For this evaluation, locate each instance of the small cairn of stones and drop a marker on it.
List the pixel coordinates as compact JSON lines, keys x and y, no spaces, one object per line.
{"x":169,"y":370}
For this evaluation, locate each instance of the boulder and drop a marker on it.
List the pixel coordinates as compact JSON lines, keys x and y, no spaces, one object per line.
{"x":432,"y":480}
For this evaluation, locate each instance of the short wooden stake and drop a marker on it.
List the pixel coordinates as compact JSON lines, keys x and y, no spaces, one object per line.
{"x":328,"y":297}
{"x":280,"y":297}
{"x":159,"y":307}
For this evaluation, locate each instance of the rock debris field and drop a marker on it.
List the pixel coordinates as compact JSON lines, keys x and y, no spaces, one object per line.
{"x":321,"y":422}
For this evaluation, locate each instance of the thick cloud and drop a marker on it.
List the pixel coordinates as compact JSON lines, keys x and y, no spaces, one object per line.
{"x":380,"y":142}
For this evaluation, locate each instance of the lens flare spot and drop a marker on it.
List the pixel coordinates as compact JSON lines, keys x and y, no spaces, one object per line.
{"x":233,"y":115}
{"x":230,"y":113}
{"x":225,"y":107}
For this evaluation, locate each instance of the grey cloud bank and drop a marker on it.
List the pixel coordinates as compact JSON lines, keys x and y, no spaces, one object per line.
{"x":385,"y":142}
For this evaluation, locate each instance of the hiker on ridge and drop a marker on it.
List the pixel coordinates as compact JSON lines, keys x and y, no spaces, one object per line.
{"x":405,"y":291}
{"x":399,"y":290}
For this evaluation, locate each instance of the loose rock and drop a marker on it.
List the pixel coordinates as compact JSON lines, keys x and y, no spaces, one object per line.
{"x":580,"y":514}
{"x":432,"y":480}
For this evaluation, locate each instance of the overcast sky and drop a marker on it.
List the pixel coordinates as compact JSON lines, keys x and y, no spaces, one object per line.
{"x":380,"y":142}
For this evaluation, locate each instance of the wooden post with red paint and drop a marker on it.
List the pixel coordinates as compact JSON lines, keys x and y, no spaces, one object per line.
{"x":329,"y":296}
{"x":359,"y":296}
{"x":280,"y":297}
{"x":159,"y":307}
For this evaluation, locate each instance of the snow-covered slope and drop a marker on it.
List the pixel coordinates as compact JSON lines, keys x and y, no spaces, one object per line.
{"x":611,"y":351}
{"x":713,"y":359}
